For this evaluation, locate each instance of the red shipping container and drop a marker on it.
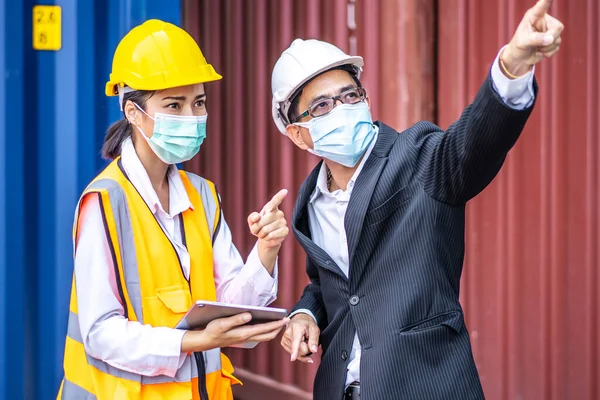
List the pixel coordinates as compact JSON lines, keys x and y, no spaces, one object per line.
{"x":531,"y":284}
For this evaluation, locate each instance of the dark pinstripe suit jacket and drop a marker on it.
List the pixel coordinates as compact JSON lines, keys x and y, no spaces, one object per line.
{"x":405,"y":225}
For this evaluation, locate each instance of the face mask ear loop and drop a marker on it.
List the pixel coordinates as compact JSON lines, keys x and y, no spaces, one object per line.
{"x":140,"y":108}
{"x":306,"y":125}
{"x":143,"y":134}
{"x":140,"y":129}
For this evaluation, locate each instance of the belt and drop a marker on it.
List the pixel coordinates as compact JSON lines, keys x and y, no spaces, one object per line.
{"x":353,"y":391}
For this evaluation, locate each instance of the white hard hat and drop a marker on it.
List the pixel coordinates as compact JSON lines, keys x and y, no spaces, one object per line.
{"x":298,"y":64}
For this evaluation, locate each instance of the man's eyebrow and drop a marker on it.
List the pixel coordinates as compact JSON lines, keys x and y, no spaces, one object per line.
{"x":324,"y":96}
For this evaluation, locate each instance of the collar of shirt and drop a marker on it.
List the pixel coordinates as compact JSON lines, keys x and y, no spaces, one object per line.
{"x":321,"y":188}
{"x":178,"y":198}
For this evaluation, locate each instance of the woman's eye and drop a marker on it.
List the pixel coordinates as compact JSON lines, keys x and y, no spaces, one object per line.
{"x":173,"y":106}
{"x":200,"y":103}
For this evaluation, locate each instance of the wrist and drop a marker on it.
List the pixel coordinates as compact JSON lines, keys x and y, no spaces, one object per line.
{"x":302,"y":316}
{"x":264,"y":247}
{"x":511,"y":67}
{"x":193,"y":341}
{"x":267,"y":255}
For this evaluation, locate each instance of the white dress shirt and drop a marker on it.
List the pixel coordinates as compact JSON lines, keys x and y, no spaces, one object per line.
{"x":129,"y":345}
{"x":326,"y":210}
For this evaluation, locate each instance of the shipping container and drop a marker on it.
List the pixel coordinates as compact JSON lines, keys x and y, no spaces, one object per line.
{"x":53,"y":115}
{"x":530,"y":286}
{"x":250,"y":160}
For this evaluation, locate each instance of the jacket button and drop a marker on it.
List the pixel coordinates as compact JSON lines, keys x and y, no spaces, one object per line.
{"x":354,"y":300}
{"x":344,"y":355}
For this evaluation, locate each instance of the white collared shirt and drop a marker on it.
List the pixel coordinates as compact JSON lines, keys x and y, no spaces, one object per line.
{"x":326,"y":210}
{"x":129,"y":345}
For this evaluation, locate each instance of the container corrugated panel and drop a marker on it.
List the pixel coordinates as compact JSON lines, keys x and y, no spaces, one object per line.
{"x":250,"y":160}
{"x":531,"y":283}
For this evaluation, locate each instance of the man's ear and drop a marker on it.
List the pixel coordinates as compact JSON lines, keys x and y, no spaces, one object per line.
{"x":295,"y":135}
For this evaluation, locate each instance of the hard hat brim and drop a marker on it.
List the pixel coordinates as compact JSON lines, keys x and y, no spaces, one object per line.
{"x":112,"y":86}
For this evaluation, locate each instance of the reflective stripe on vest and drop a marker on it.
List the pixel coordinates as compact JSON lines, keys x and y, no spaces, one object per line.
{"x":137,"y":242}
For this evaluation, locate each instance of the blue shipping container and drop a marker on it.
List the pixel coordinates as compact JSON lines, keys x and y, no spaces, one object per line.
{"x":53,"y":115}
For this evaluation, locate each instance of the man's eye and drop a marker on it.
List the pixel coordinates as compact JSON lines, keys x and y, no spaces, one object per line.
{"x":200,"y":103}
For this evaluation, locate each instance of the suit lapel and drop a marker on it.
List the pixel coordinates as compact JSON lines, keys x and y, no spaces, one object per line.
{"x":364,"y":187}
{"x":301,"y":228}
{"x":357,"y":207}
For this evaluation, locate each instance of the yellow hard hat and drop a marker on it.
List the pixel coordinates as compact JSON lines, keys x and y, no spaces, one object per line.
{"x":158,"y":55}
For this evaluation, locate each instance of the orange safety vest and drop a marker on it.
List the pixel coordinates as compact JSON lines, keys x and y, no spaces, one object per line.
{"x":153,"y":291}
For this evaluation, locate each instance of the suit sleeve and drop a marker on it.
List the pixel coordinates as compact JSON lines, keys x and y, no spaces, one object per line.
{"x":456,"y":165}
{"x":312,"y":299}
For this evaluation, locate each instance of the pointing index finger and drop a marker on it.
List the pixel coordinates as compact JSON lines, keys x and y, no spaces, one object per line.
{"x":275,"y":201}
{"x":541,"y":8}
{"x":298,"y":337}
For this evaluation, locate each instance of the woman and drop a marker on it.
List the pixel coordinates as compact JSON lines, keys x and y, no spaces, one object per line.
{"x":150,"y":240}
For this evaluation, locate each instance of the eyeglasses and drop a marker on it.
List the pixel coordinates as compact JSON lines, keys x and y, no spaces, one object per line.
{"x":321,"y":107}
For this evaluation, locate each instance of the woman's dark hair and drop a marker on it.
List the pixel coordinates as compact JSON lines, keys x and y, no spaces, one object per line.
{"x":293,"y":111}
{"x":121,"y":130}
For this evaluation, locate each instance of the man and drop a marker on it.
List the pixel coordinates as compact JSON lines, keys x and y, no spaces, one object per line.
{"x":382,"y":219}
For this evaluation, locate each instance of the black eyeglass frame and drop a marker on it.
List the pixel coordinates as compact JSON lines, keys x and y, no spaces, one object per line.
{"x":361,"y":91}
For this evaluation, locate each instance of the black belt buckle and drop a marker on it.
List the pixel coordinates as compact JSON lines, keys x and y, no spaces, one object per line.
{"x":353,"y":391}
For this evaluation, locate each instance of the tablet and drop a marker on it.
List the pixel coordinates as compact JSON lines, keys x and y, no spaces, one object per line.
{"x":202,"y":312}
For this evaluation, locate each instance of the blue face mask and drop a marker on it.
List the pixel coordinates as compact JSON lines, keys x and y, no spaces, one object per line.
{"x":176,"y":139}
{"x":343,"y":135}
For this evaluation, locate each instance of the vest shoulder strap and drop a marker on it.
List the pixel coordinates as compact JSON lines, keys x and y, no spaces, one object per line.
{"x":210,"y":200}
{"x":97,"y":186}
